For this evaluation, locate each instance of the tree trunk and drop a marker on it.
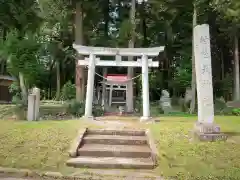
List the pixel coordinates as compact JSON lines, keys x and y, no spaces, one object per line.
{"x":79,"y":75}
{"x":236,"y":67}
{"x":23,"y":88}
{"x":106,"y":19}
{"x":222,"y":65}
{"x":144,"y":25}
{"x":130,"y":69}
{"x":193,"y":83}
{"x":58,"y":80}
{"x":2,"y":64}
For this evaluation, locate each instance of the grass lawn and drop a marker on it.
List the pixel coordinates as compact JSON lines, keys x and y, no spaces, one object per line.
{"x":179,"y":156}
{"x":43,"y":145}
{"x":39,"y":145}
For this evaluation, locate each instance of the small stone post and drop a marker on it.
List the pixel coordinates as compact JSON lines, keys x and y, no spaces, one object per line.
{"x":204,"y":129}
{"x":31,"y":107}
{"x":36,"y":92}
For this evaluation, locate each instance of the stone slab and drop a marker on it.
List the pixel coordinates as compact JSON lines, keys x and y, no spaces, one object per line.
{"x":73,"y":150}
{"x":111,"y":162}
{"x":115,"y":140}
{"x":116,"y":132}
{"x":153,"y":147}
{"x":103,"y":150}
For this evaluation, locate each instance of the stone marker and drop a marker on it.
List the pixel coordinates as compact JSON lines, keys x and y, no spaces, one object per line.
{"x":204,"y":129}
{"x":36,"y":92}
{"x":165,"y":102}
{"x":33,"y":105}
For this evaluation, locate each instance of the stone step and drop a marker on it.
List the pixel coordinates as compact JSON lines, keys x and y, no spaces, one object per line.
{"x":114,"y":140}
{"x":116,"y":132}
{"x":103,"y":150}
{"x":111,"y":162}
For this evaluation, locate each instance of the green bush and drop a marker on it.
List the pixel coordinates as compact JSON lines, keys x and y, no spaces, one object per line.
{"x":219,"y":106}
{"x":20,"y":110}
{"x":236,"y":111}
{"x":15,"y":90}
{"x":68,"y":91}
{"x":175,"y":101}
{"x":138,"y":105}
{"x":98,"y":110}
{"x":227,"y":111}
{"x":76,"y":108}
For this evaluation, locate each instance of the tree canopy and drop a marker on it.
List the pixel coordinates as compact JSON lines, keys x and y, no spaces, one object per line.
{"x":37,"y":38}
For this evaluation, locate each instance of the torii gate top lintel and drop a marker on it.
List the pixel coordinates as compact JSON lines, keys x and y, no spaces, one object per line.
{"x":107,"y":51}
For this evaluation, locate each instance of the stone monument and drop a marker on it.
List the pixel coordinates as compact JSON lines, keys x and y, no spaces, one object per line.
{"x":205,"y":128}
{"x":165,"y":102}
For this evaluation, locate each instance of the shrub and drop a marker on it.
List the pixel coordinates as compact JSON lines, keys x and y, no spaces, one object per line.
{"x":68,"y":91}
{"x":138,"y":104}
{"x":98,"y":110}
{"x":236,"y":111}
{"x":15,"y":90}
{"x":76,"y":108}
{"x":227,"y":111}
{"x":175,"y":101}
{"x":219,"y":106}
{"x":20,"y":110}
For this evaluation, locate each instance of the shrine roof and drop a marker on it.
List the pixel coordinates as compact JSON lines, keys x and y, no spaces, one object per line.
{"x":7,"y":78}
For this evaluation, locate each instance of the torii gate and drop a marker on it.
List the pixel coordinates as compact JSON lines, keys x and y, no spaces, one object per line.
{"x":93,"y":61}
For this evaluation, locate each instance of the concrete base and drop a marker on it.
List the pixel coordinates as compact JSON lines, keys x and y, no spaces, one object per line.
{"x":145,"y":119}
{"x":89,"y":118}
{"x":208,"y":132}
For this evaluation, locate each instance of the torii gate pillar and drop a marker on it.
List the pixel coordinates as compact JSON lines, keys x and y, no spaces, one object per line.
{"x":90,"y":87}
{"x":145,"y":89}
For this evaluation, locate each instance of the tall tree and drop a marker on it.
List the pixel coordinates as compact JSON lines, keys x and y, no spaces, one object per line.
{"x":131,"y":45}
{"x":193,"y":82}
{"x":231,"y":12}
{"x":22,"y":17}
{"x":79,"y":78}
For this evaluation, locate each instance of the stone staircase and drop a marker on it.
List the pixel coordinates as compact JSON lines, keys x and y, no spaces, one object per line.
{"x":120,"y":149}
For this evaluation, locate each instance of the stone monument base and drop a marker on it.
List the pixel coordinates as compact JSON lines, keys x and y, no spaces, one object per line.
{"x":208,"y":132}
